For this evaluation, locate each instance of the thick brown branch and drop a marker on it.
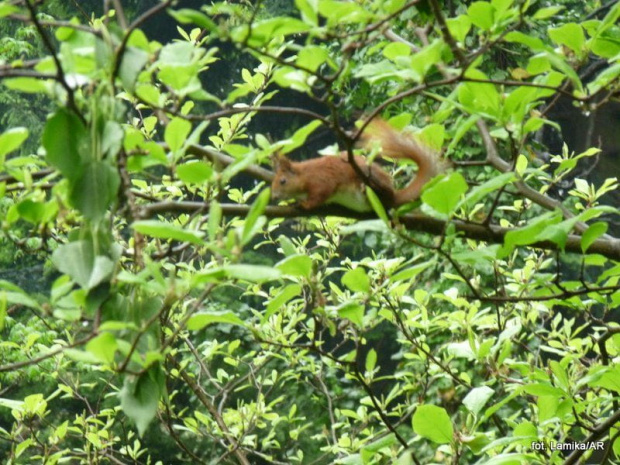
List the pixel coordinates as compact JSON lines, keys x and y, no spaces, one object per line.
{"x":264,"y":108}
{"x":598,"y":432}
{"x":59,"y":69}
{"x":218,"y":157}
{"x":19,"y":72}
{"x":57,"y":24}
{"x":608,"y":246}
{"x":503,"y":166}
{"x":543,"y":298}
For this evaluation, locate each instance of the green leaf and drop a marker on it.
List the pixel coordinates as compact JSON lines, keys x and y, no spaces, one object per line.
{"x":353,"y":312}
{"x":95,"y":190}
{"x":112,"y":138}
{"x":140,"y":396}
{"x":529,"y":233}
{"x":338,"y":12}
{"x":22,"y":447}
{"x":423,"y":60}
{"x":559,"y":62}
{"x":291,"y":78}
{"x":370,"y":450}
{"x":557,"y":233}
{"x":609,"y":380}
{"x":264,"y":31}
{"x":31,"y":211}
{"x":28,"y":84}
{"x":82,"y":356}
{"x":286,"y":294}
{"x":410,"y":273}
{"x":11,"y":140}
{"x":376,"y":205}
{"x":444,"y":195}
{"x":433,"y":136}
{"x":189,"y":16}
{"x":7,"y":9}
{"x":66,"y":143}
{"x":459,"y":27}
{"x":371,"y":360}
{"x":548,"y":12}
{"x":543,"y":389}
{"x":182,"y":78}
{"x":606,"y":30}
{"x":433,"y":423}
{"x":215,"y":218}
{"x":296,"y":265}
{"x":149,"y":93}
{"x":611,"y":17}
{"x":299,"y":137}
{"x":571,"y":35}
{"x":132,"y":63}
{"x":481,"y":15}
{"x":604,"y":79}
{"x":309,"y":10}
{"x":251,"y":223}
{"x":176,"y":133}
{"x":77,"y":259}
{"x":15,"y":295}
{"x":591,"y":234}
{"x":395,"y":50}
{"x":484,"y":189}
{"x":201,"y":320}
{"x":560,"y":374}
{"x":103,"y":347}
{"x":252,"y":273}
{"x":164,"y":230}
{"x":533,"y":42}
{"x":312,"y":56}
{"x":288,"y":248}
{"x":511,"y":459}
{"x":238,"y":166}
{"x":11,"y":404}
{"x":195,"y":172}
{"x":383,"y":71}
{"x":477,"y":397}
{"x":357,"y":280}
{"x":538,"y":64}
{"x":479,"y":97}
{"x":178,"y":53}
{"x":393,"y":6}
{"x":476,"y":442}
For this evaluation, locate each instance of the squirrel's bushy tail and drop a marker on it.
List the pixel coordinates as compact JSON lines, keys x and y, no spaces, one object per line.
{"x":395,"y":144}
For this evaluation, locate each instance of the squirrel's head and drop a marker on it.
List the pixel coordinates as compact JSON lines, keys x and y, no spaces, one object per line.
{"x":286,"y":183}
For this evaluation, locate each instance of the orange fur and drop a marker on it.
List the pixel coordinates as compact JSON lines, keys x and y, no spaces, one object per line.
{"x":334,"y":180}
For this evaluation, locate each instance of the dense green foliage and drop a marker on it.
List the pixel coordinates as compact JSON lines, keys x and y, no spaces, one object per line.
{"x":179,"y":318}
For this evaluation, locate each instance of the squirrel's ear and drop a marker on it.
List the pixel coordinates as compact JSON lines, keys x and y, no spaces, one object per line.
{"x":281,"y":162}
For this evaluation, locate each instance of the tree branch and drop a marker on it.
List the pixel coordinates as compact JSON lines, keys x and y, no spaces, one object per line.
{"x":59,"y":69}
{"x":596,"y":434}
{"x":608,"y":246}
{"x":503,"y":166}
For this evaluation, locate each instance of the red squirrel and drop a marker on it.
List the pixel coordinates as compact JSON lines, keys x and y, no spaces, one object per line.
{"x":334,"y":180}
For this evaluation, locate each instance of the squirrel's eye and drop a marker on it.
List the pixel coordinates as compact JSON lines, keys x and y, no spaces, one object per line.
{"x":282,"y":181}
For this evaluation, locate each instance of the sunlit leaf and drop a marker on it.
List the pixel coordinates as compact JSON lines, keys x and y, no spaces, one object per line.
{"x":433,"y":423}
